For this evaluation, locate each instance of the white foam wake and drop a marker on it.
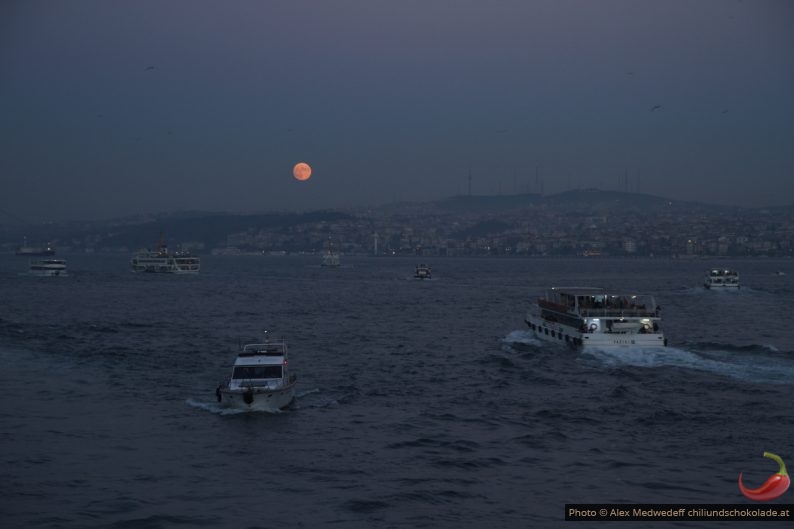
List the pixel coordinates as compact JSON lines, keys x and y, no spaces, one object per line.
{"x":522,"y":337}
{"x":754,"y":368}
{"x":214,"y":407}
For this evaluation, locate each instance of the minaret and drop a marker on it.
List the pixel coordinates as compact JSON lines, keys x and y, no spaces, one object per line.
{"x":375,"y":244}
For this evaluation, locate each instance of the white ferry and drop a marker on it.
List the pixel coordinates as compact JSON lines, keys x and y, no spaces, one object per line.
{"x":48,"y":267}
{"x":260,"y":379}
{"x":721,"y":278}
{"x":593,"y":317}
{"x":161,"y":261}
{"x":30,"y":251}
{"x":423,"y":272}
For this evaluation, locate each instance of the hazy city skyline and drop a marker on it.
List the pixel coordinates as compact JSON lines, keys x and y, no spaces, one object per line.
{"x":115,"y":108}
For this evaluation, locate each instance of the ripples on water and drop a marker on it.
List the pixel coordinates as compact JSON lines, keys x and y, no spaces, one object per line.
{"x":420,"y":404}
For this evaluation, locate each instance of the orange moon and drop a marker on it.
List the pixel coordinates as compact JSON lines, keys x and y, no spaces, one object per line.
{"x":302,"y":171}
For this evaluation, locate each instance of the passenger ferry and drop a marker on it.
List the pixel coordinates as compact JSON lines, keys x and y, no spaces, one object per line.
{"x":721,"y":278}
{"x":48,"y":267}
{"x":423,"y":272}
{"x":260,"y":379}
{"x":30,"y":251}
{"x":594,"y":317}
{"x":161,"y":261}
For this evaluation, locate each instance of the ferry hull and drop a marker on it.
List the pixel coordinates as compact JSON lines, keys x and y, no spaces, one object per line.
{"x":257,"y":398}
{"x":48,"y":273}
{"x":48,"y":268}
{"x":176,"y":271}
{"x":166,"y":265}
{"x":574,"y":338}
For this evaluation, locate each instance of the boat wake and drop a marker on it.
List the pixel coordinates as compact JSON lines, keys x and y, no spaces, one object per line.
{"x":521,"y":340}
{"x":757,"y":367}
{"x":216,"y":408}
{"x":301,"y":401}
{"x":307,"y":392}
{"x":703,"y":291}
{"x":707,"y":347}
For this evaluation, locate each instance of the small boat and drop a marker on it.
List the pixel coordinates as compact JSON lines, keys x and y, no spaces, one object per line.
{"x":48,"y":267}
{"x":423,"y":272}
{"x":721,"y":279}
{"x":594,"y":317}
{"x":260,"y":379}
{"x":330,"y":259}
{"x":161,"y":261}
{"x":330,"y":256}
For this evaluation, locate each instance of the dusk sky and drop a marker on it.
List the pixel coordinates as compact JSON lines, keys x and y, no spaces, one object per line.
{"x":112,"y":108}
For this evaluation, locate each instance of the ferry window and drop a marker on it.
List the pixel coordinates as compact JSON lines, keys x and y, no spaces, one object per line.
{"x":546,"y":331}
{"x":242,"y":372}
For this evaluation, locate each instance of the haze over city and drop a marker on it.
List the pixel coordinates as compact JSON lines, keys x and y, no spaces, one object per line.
{"x":119,"y":108}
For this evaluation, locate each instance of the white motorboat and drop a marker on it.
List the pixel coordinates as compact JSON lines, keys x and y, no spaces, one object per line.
{"x":423,"y":272}
{"x":161,"y":261}
{"x":48,"y":267}
{"x":260,"y":379}
{"x":721,"y":278}
{"x":594,"y":317}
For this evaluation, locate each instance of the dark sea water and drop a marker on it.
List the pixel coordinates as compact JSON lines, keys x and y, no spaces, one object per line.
{"x":420,"y":404}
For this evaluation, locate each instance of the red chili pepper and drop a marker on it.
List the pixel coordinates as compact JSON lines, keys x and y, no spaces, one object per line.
{"x":776,"y":485}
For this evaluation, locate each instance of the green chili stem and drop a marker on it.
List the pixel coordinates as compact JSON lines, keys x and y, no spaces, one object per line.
{"x":782,"y":471}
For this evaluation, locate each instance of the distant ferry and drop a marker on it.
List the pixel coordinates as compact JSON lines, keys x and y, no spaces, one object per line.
{"x":48,"y":267}
{"x":721,"y":279}
{"x":330,"y":259}
{"x":31,"y":251}
{"x":593,"y":317}
{"x":423,"y":272}
{"x":161,"y":261}
{"x":330,"y":256}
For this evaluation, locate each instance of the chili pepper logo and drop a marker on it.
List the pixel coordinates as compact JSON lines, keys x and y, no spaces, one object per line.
{"x":776,"y":485}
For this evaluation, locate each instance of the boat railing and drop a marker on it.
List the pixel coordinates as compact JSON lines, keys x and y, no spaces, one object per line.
{"x":619,"y":312}
{"x":269,"y":347}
